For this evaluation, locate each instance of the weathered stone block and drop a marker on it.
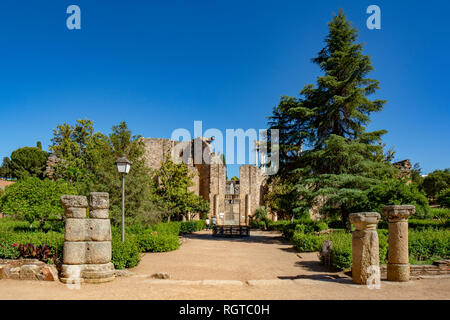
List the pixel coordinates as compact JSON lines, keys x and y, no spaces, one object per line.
{"x":99,"y":213}
{"x":398,"y":260}
{"x":88,"y":230}
{"x":87,"y":252}
{"x":49,"y":273}
{"x":69,"y":201}
{"x":365,"y":247}
{"x":91,"y":273}
{"x":29,"y":272}
{"x":76,"y":213}
{"x":99,"y":200}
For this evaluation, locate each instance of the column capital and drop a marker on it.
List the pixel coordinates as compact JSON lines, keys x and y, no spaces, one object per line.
{"x":396,"y":213}
{"x":99,"y":200}
{"x":74,"y":201}
{"x":365,"y":220}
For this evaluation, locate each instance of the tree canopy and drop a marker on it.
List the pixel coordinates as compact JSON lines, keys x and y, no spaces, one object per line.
{"x":25,"y":162}
{"x":326,"y":154}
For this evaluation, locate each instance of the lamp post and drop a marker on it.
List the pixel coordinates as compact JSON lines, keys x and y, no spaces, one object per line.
{"x":123,"y":166}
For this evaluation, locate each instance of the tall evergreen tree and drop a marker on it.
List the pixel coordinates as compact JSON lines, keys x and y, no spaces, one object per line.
{"x":325,"y":151}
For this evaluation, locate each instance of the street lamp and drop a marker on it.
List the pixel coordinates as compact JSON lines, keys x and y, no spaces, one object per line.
{"x":123,"y":166}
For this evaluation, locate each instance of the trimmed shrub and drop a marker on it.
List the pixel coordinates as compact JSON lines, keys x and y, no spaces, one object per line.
{"x":419,"y":224}
{"x":307,"y":242}
{"x":428,"y":245}
{"x":277,"y":225}
{"x":167,"y":228}
{"x":151,"y":241}
{"x":341,"y":251}
{"x":258,"y":225}
{"x":192,"y":226}
{"x":125,"y":254}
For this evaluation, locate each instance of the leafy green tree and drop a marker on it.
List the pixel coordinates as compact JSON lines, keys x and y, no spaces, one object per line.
{"x":172,"y":193}
{"x":444,"y":198}
{"x":260,"y":213}
{"x":416,"y":174}
{"x":5,"y":171}
{"x":33,"y":199}
{"x":87,"y":159}
{"x":101,"y":154}
{"x":282,"y":197}
{"x":394,"y":191}
{"x":26,"y":162}
{"x":234,"y":178}
{"x":340,"y":174}
{"x":435,"y":182}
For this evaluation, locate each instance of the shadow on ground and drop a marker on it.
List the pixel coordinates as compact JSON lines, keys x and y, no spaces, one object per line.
{"x":269,"y":238}
{"x":329,"y":277}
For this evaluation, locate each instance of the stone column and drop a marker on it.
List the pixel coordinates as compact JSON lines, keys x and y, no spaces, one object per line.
{"x":365,"y":248}
{"x":398,"y":257}
{"x":87,"y":242}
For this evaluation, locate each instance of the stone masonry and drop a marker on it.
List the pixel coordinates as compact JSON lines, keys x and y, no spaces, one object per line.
{"x":398,"y":268}
{"x":365,"y":247}
{"x":210,"y":175}
{"x":87,"y":241}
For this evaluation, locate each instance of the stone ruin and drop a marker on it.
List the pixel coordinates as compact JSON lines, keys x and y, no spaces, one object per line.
{"x":365,"y":245}
{"x":87,"y":241}
{"x":210,"y":179}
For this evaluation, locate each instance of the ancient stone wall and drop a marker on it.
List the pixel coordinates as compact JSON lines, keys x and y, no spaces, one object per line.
{"x":209,"y":175}
{"x":252,"y":189}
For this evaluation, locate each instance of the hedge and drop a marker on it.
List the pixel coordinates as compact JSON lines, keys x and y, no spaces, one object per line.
{"x":125,"y":254}
{"x":419,"y":224}
{"x":425,"y":246}
{"x":192,"y":226}
{"x":151,"y":241}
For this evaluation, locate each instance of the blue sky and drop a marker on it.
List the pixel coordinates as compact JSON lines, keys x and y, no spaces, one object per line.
{"x":160,"y":65}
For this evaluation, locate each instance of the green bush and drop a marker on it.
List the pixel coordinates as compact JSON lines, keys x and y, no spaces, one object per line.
{"x":55,"y":240}
{"x":429,"y":245}
{"x":192,"y":226}
{"x":258,"y":225}
{"x":424,"y":246}
{"x":151,"y":241}
{"x":277,"y":225}
{"x":341,"y":251}
{"x":444,"y":198}
{"x":307,"y":242}
{"x":419,"y":224}
{"x":303,"y":225}
{"x":32,"y":199}
{"x":125,"y":254}
{"x":397,"y":192}
{"x":260,"y":213}
{"x":167,"y":227}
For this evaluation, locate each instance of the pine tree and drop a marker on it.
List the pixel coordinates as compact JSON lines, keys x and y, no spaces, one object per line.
{"x":340,"y":99}
{"x":325,"y":151}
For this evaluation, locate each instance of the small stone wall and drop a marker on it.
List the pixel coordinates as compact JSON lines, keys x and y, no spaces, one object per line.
{"x":438,"y":268}
{"x":27,"y":269}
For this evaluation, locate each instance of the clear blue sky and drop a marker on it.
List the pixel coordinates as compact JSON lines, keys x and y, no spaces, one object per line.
{"x":160,"y":65}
